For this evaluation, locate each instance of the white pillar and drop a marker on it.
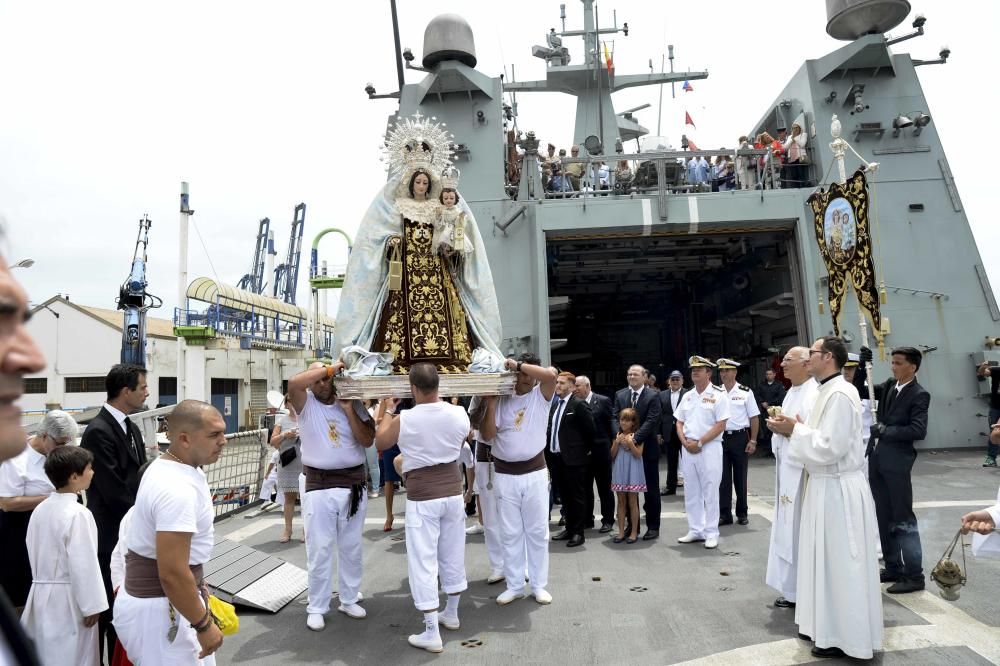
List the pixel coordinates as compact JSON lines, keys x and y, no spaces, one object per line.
{"x":182,"y":280}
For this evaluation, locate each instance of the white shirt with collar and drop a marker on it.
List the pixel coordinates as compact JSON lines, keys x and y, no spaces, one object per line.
{"x":900,"y":387}
{"x":119,"y":415}
{"x":743,"y":407}
{"x":675,"y":398}
{"x":636,"y":392}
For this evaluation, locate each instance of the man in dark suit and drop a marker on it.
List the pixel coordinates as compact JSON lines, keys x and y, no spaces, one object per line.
{"x":600,"y":460}
{"x":118,"y":451}
{"x":647,"y":403}
{"x":902,"y":420}
{"x":770,"y":393}
{"x":669,"y":439}
{"x":570,"y":441}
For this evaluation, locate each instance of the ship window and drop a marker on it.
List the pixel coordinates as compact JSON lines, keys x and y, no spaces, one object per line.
{"x":85,"y":385}
{"x":36,"y":385}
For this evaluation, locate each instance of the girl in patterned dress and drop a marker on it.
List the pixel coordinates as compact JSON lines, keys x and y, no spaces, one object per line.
{"x":627,"y":477}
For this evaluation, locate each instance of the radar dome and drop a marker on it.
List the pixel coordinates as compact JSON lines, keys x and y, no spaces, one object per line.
{"x":449,"y":37}
{"x":850,"y":19}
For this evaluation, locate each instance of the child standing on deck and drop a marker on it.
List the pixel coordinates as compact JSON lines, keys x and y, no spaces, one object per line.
{"x":627,"y":477}
{"x":67,"y":593}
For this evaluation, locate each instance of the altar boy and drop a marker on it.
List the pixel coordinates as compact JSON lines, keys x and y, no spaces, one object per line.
{"x":67,"y":593}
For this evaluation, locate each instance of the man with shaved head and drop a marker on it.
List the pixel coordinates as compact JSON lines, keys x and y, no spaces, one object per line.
{"x":334,"y":434}
{"x":797,"y":402}
{"x":161,"y":613}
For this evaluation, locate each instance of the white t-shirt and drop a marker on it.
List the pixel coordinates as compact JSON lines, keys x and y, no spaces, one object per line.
{"x":327,"y":440}
{"x":521,"y":424}
{"x":173,"y":497}
{"x":24,"y":475}
{"x":701,"y":411}
{"x":286,"y":423}
{"x":431,"y":434}
{"x":465,"y":456}
{"x":743,"y":407}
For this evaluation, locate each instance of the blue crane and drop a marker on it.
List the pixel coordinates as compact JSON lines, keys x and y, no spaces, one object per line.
{"x":286,"y":276}
{"x":136,"y":301}
{"x":254,"y":280}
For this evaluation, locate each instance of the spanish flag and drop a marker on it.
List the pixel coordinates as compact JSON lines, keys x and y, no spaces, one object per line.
{"x":607,"y":58}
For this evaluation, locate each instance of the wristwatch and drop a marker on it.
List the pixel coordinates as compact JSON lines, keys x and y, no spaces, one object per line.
{"x":700,"y":445}
{"x":519,"y":364}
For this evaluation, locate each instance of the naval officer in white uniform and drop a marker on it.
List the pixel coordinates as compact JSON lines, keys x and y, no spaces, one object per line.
{"x":701,"y":419}
{"x":739,"y":441}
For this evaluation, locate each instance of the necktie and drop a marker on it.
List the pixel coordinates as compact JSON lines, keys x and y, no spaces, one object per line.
{"x":635,"y":398}
{"x":554,"y":446}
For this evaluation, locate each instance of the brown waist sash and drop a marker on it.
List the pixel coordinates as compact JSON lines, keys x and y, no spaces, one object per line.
{"x":434,"y":482}
{"x":484,"y":452}
{"x":142,"y":576}
{"x":321,"y":479}
{"x":521,"y":467}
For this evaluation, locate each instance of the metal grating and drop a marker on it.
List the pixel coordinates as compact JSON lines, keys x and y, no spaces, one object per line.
{"x":242,"y":575}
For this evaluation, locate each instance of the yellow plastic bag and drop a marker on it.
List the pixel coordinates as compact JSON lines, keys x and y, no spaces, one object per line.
{"x":224,"y":615}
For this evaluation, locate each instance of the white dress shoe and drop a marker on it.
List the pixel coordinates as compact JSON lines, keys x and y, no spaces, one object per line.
{"x":690,"y":537}
{"x":495,"y":577}
{"x":711,"y":542}
{"x":542,"y":597}
{"x":427,"y":641}
{"x":352,"y":610}
{"x":315,"y":622}
{"x":508,"y":596}
{"x":474,"y":529}
{"x":449,"y":621}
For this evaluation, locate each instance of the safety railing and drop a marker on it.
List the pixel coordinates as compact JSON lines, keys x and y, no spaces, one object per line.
{"x":235,"y":478}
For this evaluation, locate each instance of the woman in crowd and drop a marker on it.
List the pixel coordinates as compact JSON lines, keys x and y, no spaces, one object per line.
{"x":285,"y":438}
{"x":795,"y":158}
{"x":23,"y":486}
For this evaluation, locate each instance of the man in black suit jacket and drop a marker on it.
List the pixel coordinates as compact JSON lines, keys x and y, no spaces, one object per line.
{"x":119,"y":452}
{"x":670,"y":440}
{"x":569,"y":441}
{"x":599,"y":471}
{"x":645,"y":401}
{"x":902,"y":420}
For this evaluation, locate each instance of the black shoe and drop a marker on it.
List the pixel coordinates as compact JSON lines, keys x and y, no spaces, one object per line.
{"x":782,"y":602}
{"x":605,"y":528}
{"x":668,"y":491}
{"x":805,"y":638}
{"x":904,"y":586}
{"x":650,"y":535}
{"x":561,"y":536}
{"x":725,"y":521}
{"x":562,"y":521}
{"x":743,"y":521}
{"x":827,"y":652}
{"x":886,"y":577}
{"x":575,"y":540}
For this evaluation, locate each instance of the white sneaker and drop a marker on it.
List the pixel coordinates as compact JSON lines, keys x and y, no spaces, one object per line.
{"x":427,"y":641}
{"x":690,"y":537}
{"x":315,"y":622}
{"x":449,"y":621}
{"x":711,"y":542}
{"x":542,"y":597}
{"x":474,"y":529}
{"x":508,"y":596}
{"x":373,"y":494}
{"x":495,"y":577}
{"x":352,"y":610}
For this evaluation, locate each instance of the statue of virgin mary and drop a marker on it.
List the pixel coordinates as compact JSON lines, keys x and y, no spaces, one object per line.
{"x":405,"y":296}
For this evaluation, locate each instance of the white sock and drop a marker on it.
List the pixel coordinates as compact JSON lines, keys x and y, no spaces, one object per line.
{"x":451,"y":608}
{"x":431,"y":622}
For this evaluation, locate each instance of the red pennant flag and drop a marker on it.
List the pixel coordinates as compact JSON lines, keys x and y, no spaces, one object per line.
{"x":688,"y":121}
{"x":691,"y":145}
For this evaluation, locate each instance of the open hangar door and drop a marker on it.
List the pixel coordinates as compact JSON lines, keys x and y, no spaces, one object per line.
{"x":655,"y":300}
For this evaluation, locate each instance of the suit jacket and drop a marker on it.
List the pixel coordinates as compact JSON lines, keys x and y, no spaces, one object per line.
{"x":668,"y":426}
{"x":600,"y":408}
{"x":576,"y":432}
{"x":116,"y":469}
{"x":773,"y":394}
{"x":905,"y":417}
{"x":649,"y":410}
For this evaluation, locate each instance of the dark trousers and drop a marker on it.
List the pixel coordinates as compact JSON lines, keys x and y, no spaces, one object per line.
{"x":889,"y":467}
{"x":651,"y":469}
{"x":599,"y":473}
{"x":672,"y":447}
{"x":991,"y":448}
{"x":570,"y":479}
{"x":105,"y":630}
{"x":734,"y":473}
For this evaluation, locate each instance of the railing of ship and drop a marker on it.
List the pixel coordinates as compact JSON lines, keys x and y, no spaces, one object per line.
{"x":662,"y":173}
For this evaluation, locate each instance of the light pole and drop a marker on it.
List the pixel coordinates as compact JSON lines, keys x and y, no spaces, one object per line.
{"x":24,"y":263}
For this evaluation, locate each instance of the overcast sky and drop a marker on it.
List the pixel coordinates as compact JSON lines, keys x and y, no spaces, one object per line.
{"x":260,"y":106}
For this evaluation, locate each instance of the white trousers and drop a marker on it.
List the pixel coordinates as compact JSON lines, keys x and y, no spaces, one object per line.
{"x":524,"y":527}
{"x":328,"y":528}
{"x":491,"y":514}
{"x":435,"y":546}
{"x":142,"y":626}
{"x":702,"y":477}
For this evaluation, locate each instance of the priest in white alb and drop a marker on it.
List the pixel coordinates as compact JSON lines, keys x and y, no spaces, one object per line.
{"x":839,"y":603}
{"x":781,"y":556}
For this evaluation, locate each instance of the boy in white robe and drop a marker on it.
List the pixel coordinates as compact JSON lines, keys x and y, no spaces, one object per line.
{"x":839,"y":602}
{"x":67,"y":592}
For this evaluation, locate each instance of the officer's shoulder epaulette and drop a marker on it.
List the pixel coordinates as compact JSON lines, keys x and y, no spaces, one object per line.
{"x":719,"y":387}
{"x":743,"y":388}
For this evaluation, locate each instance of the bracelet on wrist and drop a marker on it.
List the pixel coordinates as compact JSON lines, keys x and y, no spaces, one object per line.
{"x":519,"y":364}
{"x":203,"y":624}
